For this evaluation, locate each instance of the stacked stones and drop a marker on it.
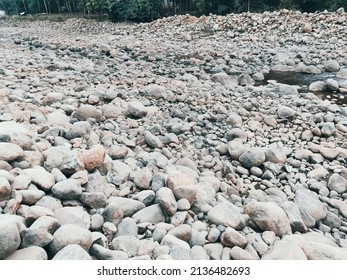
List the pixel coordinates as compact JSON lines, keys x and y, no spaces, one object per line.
{"x":131,"y":145}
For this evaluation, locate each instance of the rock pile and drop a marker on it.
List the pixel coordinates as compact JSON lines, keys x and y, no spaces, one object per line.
{"x":153,"y":141}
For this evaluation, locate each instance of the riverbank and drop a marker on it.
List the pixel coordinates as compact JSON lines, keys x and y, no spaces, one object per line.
{"x":155,"y":141}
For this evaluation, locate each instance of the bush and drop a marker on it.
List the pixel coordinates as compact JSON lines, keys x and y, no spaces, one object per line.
{"x":135,"y":10}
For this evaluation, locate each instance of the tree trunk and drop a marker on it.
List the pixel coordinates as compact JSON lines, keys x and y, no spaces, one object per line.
{"x":24,"y":6}
{"x":58,"y":6}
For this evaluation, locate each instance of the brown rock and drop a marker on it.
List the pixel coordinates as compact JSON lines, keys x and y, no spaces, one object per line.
{"x":94,"y":157}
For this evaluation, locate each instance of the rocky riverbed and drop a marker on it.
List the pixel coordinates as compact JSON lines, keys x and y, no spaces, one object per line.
{"x":161,"y":140}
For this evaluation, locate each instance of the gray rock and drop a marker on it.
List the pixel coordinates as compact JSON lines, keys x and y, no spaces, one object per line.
{"x":50,"y":224}
{"x":231,"y":238}
{"x":332,"y":66}
{"x":137,"y":109}
{"x":10,"y":152}
{"x":81,"y":129}
{"x":152,"y":214}
{"x":310,"y":203}
{"x":179,"y":253}
{"x":9,"y":238}
{"x":332,"y":84}
{"x":64,"y":159}
{"x":198,"y":253}
{"x":245,"y":80}
{"x":183,"y":232}
{"x":171,"y":241}
{"x":224,"y":79}
{"x":166,"y":199}
{"x":40,"y":177}
{"x":269,"y":216}
{"x":70,"y":234}
{"x":73,"y":215}
{"x":119,"y":172}
{"x":67,"y":189}
{"x":253,"y":157}
{"x":128,"y":244}
{"x":152,"y":140}
{"x":127,"y":205}
{"x":237,"y":253}
{"x":30,"y":197}
{"x":177,"y":178}
{"x":320,"y":251}
{"x":236,"y":149}
{"x":318,"y":173}
{"x":5,"y":189}
{"x":94,"y":200}
{"x":293,"y":213}
{"x":29,"y":253}
{"x":113,"y":214}
{"x":72,"y":252}
{"x":337,"y":183}
{"x":187,"y":162}
{"x":275,"y":155}
{"x":35,"y":237}
{"x":234,"y":120}
{"x":317,"y":86}
{"x":154,"y":91}
{"x":225,"y":214}
{"x":101,"y":253}
{"x":143,"y":179}
{"x":127,"y":227}
{"x":146,"y":197}
{"x":84,"y":112}
{"x":328,"y":129}
{"x":285,"y":250}
{"x":285,"y":112}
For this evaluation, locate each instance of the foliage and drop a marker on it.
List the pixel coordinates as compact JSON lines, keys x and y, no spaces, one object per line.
{"x":135,"y":10}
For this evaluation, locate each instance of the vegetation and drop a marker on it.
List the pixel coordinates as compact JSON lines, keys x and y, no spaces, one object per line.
{"x":147,"y":10}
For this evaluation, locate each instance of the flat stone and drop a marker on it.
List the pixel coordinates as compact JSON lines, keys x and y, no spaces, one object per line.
{"x":67,"y":189}
{"x":73,"y":215}
{"x":151,"y":214}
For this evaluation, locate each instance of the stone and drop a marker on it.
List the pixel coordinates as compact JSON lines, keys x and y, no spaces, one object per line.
{"x":137,"y":109}
{"x":318,"y":173}
{"x":94,"y":200}
{"x":293,"y":213}
{"x":236,"y":149}
{"x":152,"y":140}
{"x":187,"y":162}
{"x":225,"y":214}
{"x":5,"y":189}
{"x":50,"y":224}
{"x":198,"y":253}
{"x":307,"y":27}
{"x":309,"y":202}
{"x":93,"y":158}
{"x":10,"y":152}
{"x":237,"y":253}
{"x":127,"y":205}
{"x":64,"y":159}
{"x":229,"y":82}
{"x":72,"y":252}
{"x":35,"y":237}
{"x":329,"y":153}
{"x":317,"y":86}
{"x":332,"y":66}
{"x":166,"y":200}
{"x":9,"y":238}
{"x":67,"y":189}
{"x":245,"y":80}
{"x":40,"y":177}
{"x":80,"y":129}
{"x":30,"y":197}
{"x":119,"y":172}
{"x":70,"y":234}
{"x":320,"y":251}
{"x":128,"y":244}
{"x":154,"y":91}
{"x":177,"y":178}
{"x":73,"y":215}
{"x":85,"y":112}
{"x":269,"y":216}
{"x":234,"y":120}
{"x":337,"y":183}
{"x":285,"y":250}
{"x":285,"y":112}
{"x":179,"y":253}
{"x":171,"y":241}
{"x":332,"y":84}
{"x":151,"y":214}
{"x":253,"y":157}
{"x":29,"y":253}
{"x":183,"y":232}
{"x":127,"y":227}
{"x":101,"y":253}
{"x":143,"y":179}
{"x":275,"y":155}
{"x":111,"y":111}
{"x":231,"y":238}
{"x":113,"y":214}
{"x":185,"y":192}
